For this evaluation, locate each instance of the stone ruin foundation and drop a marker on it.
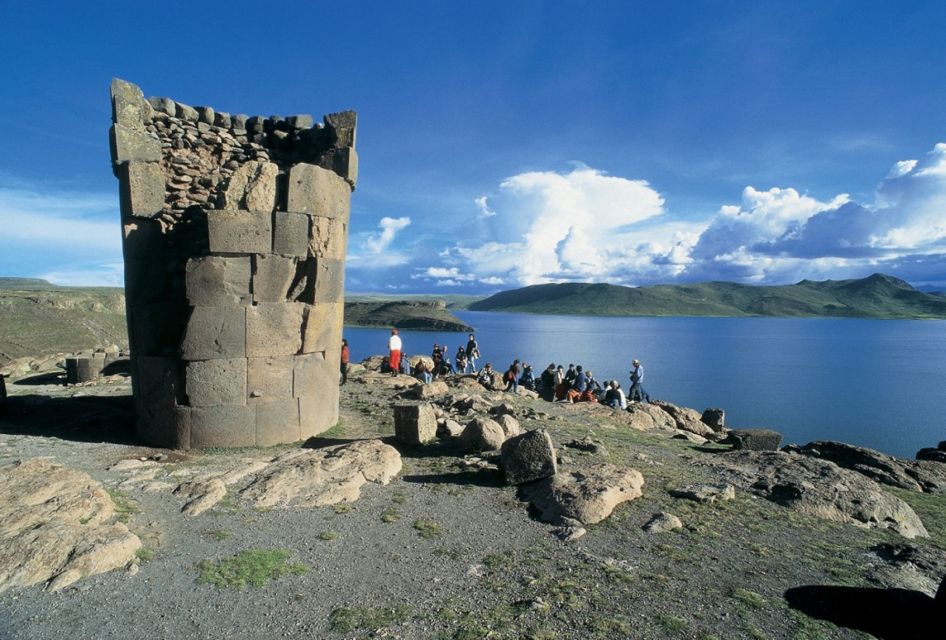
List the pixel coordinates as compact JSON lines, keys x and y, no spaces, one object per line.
{"x":235,"y":233}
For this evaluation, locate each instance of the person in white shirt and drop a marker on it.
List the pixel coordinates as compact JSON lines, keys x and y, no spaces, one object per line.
{"x":394,"y":347}
{"x":637,"y":393}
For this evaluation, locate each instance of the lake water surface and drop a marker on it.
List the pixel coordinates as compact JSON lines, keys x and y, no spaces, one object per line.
{"x":876,"y":383}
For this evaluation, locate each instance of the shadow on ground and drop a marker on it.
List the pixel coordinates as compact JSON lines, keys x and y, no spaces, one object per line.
{"x":887,"y":614}
{"x":82,"y":419}
{"x":480,"y":478}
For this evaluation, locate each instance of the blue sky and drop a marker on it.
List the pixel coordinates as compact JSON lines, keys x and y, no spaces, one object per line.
{"x":513,"y":143}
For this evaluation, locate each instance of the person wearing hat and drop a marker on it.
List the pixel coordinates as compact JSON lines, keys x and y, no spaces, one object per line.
{"x":637,"y":392}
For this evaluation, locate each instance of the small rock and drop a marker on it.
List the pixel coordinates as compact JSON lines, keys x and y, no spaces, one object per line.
{"x":754,"y":439}
{"x":570,"y":534}
{"x":483,"y":434}
{"x":689,"y":437}
{"x":663,"y":522}
{"x":510,"y":425}
{"x":503,"y":409}
{"x":706,"y":492}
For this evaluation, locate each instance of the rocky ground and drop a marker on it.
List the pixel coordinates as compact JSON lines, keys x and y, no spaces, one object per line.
{"x":646,"y":530}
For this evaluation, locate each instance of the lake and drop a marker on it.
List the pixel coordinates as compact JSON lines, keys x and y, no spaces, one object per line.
{"x":875,"y":383}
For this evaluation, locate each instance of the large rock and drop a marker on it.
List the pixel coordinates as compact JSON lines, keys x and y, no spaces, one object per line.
{"x":316,"y":477}
{"x":662,"y":523}
{"x":56,"y":525}
{"x":821,"y":489}
{"x":686,"y":419}
{"x":528,"y":457}
{"x":511,"y":426}
{"x":589,"y":495}
{"x":754,"y":439}
{"x":907,"y":566}
{"x":415,"y":423}
{"x":714,"y":418}
{"x":917,"y":475}
{"x":434,"y":389}
{"x":483,"y":434}
{"x":933,"y":455}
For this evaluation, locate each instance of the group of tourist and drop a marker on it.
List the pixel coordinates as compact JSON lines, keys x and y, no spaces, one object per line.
{"x":555,"y":384}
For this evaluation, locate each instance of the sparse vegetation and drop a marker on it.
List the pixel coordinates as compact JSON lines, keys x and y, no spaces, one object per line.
{"x":254,"y":567}
{"x":347,"y":619}
{"x":428,"y":528}
{"x":125,"y":507}
{"x":328,"y":535}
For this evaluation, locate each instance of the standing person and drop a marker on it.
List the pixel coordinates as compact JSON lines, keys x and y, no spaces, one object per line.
{"x":436,"y":356}
{"x":512,"y":377}
{"x":344,"y":361}
{"x":547,"y":380}
{"x":461,"y":359}
{"x":394,"y":346}
{"x":637,"y":392}
{"x":472,"y":352}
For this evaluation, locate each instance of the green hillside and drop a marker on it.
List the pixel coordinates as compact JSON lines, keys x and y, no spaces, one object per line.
{"x":877,"y":296}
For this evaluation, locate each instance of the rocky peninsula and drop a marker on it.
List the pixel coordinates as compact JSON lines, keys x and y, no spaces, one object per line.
{"x":449,"y":510}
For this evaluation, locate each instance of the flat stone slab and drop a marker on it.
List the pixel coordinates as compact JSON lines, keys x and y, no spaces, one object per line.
{"x":317,"y":477}
{"x":587,"y":496}
{"x":755,"y":439}
{"x":705,"y":492}
{"x":57,"y":526}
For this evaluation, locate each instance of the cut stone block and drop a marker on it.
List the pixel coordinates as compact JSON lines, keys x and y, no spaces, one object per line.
{"x":415,"y":423}
{"x":129,"y":107}
{"x":318,"y":413}
{"x":329,"y":280}
{"x":218,"y":281}
{"x":291,"y":234}
{"x":143,"y":240}
{"x":186,"y":112}
{"x":328,"y":238}
{"x":272,"y":278}
{"x":269,"y":378}
{"x":215,"y":332}
{"x":318,"y":191}
{"x":216,"y":382}
{"x":343,"y":126}
{"x":312,"y":373}
{"x":274,"y":329}
{"x":144,"y":281}
{"x":528,"y":457}
{"x":225,"y":426}
{"x":231,"y":231}
{"x":345,"y":163}
{"x":300,"y":121}
{"x":252,"y":187}
{"x":141,"y":189}
{"x":155,"y":329}
{"x":323,"y":327}
{"x":133,"y":144}
{"x":159,"y":421}
{"x":205,"y":114}
{"x":277,"y":422}
{"x":755,"y":439}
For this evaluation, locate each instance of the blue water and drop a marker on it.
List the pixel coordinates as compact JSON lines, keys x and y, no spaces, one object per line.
{"x":875,"y":383}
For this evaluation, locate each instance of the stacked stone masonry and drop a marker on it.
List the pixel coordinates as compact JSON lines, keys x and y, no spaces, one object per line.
{"x":235,"y":235}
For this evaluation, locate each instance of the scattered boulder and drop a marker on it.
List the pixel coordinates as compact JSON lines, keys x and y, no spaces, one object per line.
{"x":431,"y":390}
{"x":528,"y":457}
{"x":714,"y":418}
{"x":450,"y":429}
{"x":906,"y":566}
{"x":686,"y":419}
{"x":470,"y":404}
{"x":503,"y":409}
{"x":689,"y":437}
{"x":706,"y":492}
{"x":587,"y":445}
{"x":318,"y":477}
{"x":527,"y":393}
{"x":754,"y":439}
{"x":200,"y":496}
{"x":56,"y":525}
{"x":916,"y":475}
{"x":570,"y":530}
{"x":662,"y":523}
{"x":483,"y":434}
{"x":415,"y":423}
{"x":510,"y":425}
{"x":819,"y":488}
{"x":934,"y":455}
{"x":589,"y":495}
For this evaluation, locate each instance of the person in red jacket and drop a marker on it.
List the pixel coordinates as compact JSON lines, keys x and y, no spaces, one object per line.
{"x":344,"y":361}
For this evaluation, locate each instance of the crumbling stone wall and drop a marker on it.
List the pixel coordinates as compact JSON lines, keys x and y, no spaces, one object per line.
{"x":235,"y":233}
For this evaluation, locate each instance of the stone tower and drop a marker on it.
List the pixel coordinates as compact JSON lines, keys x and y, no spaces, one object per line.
{"x":235,"y":232}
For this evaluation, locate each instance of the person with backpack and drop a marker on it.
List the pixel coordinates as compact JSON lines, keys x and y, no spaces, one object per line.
{"x":511,"y":377}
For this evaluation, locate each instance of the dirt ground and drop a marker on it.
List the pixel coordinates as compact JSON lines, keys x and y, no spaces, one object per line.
{"x":443,"y":551}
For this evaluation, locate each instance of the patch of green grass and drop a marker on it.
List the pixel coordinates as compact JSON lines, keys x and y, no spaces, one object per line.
{"x":253,"y":567}
{"x":495,"y":561}
{"x":328,"y":535}
{"x":673,"y":624}
{"x":613,"y":626}
{"x":227,"y":505}
{"x":930,"y":507}
{"x":428,"y":528}
{"x":125,"y":507}
{"x":390,"y":515}
{"x":144,"y":555}
{"x":617,"y":573}
{"x":342,"y":507}
{"x":749,"y":598}
{"x":347,"y":619}
{"x":220,"y":535}
{"x":399,"y":497}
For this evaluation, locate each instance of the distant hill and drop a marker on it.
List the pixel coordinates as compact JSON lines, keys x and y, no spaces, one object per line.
{"x":423,"y":315}
{"x":877,"y":296}
{"x":26,"y":284}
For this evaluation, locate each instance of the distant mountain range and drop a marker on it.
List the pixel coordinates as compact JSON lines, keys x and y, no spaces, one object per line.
{"x":877,"y":296}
